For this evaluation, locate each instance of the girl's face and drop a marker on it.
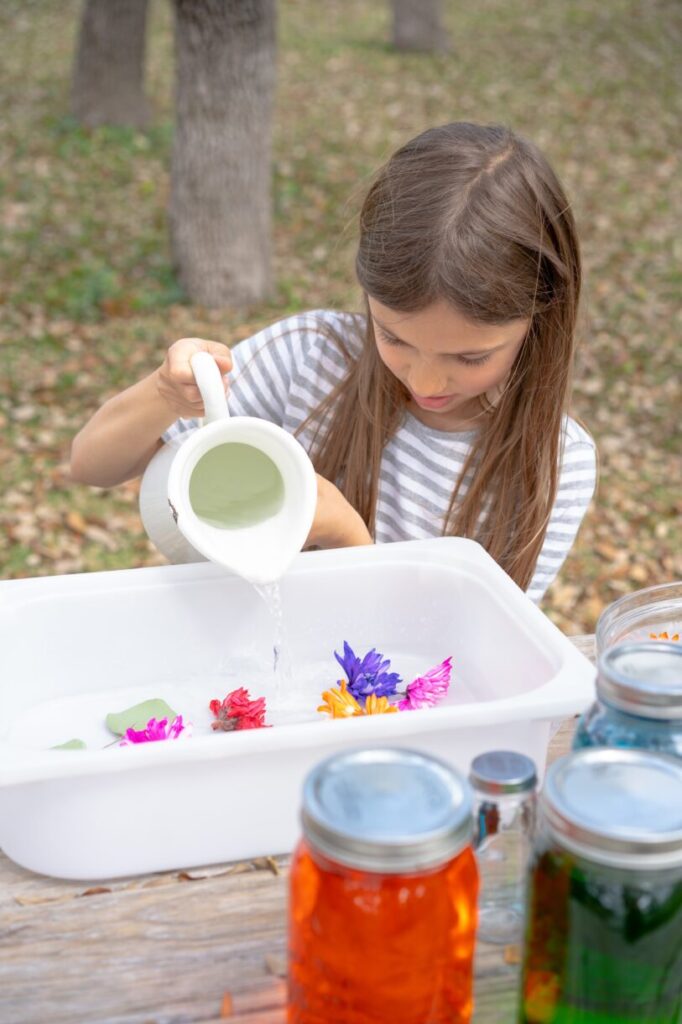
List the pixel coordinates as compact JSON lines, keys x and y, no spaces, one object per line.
{"x":445,"y":361}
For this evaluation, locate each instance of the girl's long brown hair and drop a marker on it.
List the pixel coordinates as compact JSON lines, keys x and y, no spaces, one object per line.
{"x":473,"y":215}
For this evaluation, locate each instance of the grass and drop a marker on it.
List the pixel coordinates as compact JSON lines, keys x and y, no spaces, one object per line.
{"x":90,"y":301}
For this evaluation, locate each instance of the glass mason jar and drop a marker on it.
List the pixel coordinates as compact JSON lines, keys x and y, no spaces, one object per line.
{"x":604,"y":934}
{"x":639,"y":700}
{"x":504,"y":784}
{"x":382,"y":899}
{"x":654,"y":613}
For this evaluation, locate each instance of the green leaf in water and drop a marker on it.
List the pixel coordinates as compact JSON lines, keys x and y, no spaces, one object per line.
{"x":74,"y":744}
{"x":138,"y":715}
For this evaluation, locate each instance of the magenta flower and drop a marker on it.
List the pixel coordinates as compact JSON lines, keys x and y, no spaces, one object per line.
{"x":155,"y":731}
{"x":427,"y":690}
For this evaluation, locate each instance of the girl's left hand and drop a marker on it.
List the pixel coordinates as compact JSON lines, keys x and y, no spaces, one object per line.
{"x":336,"y":523}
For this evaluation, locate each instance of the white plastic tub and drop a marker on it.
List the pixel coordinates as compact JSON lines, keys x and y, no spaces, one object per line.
{"x":73,"y":648}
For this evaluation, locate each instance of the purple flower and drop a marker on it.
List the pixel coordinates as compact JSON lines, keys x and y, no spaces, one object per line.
{"x":155,"y":731}
{"x":427,"y":690}
{"x":367,"y":675}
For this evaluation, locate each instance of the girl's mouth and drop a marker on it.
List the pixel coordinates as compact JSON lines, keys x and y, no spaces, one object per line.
{"x":434,"y":402}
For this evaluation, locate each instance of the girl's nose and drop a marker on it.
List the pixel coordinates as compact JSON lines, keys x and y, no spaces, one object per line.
{"x":426,"y":380}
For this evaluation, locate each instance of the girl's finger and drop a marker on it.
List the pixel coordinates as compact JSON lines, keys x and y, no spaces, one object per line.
{"x":180,"y":355}
{"x":221,"y":354}
{"x":179,"y":366}
{"x":191,"y":394}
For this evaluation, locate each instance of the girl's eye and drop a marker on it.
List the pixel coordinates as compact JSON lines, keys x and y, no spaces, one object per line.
{"x":388,"y":339}
{"x":477,"y":361}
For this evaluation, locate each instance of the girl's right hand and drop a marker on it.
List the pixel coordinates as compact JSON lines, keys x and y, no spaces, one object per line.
{"x":175,"y":380}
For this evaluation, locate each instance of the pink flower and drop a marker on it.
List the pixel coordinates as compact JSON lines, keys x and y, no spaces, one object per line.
{"x":427,"y":690}
{"x":155,"y":731}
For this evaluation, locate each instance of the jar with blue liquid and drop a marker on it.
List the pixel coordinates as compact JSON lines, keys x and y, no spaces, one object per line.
{"x":639,"y":700}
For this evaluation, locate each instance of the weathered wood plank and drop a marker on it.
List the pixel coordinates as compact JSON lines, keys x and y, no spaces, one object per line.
{"x":168,"y":948}
{"x":164,"y":953}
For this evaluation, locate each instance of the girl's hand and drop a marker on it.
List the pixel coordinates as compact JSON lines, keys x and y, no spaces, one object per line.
{"x":336,"y":523}
{"x":175,"y":380}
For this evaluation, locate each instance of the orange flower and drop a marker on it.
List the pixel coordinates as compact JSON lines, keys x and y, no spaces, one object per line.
{"x":664,"y":636}
{"x":375,"y":706}
{"x":340,"y":703}
{"x":541,"y":995}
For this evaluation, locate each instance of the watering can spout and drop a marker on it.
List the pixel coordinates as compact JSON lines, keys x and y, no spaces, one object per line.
{"x":267,"y":570}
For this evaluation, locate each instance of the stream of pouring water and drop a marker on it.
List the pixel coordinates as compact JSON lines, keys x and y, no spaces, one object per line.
{"x":285,"y":689}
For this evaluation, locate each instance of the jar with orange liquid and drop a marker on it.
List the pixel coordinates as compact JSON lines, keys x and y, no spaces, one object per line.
{"x":383,"y":890}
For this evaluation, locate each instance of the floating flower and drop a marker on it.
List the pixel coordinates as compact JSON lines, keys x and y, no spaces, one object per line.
{"x":340,"y":703}
{"x":376,"y":706}
{"x":155,"y":731}
{"x":367,"y":675}
{"x":541,"y":995}
{"x":427,"y":690}
{"x":664,"y":636}
{"x":370,"y":687}
{"x":238,"y":711}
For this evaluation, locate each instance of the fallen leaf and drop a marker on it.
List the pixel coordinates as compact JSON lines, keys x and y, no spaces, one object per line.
{"x":512,"y":954}
{"x":276,"y":964}
{"x":75,"y":521}
{"x":137,"y":716}
{"x":74,"y":744}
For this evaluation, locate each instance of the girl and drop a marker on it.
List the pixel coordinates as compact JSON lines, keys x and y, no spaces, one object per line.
{"x":443,"y":408}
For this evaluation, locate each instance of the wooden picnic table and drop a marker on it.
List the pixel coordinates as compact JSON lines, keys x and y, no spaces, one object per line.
{"x":178,"y":947}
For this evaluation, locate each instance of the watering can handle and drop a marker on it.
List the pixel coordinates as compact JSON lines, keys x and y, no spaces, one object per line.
{"x":210,"y":383}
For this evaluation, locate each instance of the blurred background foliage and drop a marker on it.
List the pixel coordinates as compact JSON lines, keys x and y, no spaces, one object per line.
{"x":90,"y":302}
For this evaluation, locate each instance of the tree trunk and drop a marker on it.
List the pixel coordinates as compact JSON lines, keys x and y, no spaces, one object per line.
{"x":418,"y":25}
{"x":221,"y":206}
{"x":108,"y":75}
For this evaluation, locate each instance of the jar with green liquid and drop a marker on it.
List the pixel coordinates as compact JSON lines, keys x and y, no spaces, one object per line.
{"x":603,"y":942}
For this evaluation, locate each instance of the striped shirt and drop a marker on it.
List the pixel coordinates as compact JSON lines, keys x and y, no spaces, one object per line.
{"x":282,"y":373}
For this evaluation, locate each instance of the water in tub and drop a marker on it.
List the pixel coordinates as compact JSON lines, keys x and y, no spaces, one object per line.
{"x":82,"y":715}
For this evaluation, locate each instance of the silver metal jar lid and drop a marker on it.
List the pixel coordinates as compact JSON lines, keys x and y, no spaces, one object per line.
{"x":387,"y":810}
{"x":616,"y":807}
{"x":643,"y":678}
{"x":503,"y":771}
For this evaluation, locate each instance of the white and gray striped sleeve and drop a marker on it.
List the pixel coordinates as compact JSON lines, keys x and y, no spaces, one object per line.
{"x":262,"y":369}
{"x":576,"y":486}
{"x":260,"y":378}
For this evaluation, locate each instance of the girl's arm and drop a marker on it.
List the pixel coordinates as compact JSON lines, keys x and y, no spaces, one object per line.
{"x":119,"y":440}
{"x":336,"y":524}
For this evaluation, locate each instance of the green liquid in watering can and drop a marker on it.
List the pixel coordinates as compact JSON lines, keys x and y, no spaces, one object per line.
{"x":235,"y":485}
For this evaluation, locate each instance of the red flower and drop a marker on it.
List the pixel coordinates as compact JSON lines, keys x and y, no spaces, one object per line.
{"x":238,"y":711}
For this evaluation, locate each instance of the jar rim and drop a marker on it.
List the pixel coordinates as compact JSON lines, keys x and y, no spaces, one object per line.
{"x":501,"y":772}
{"x":617,"y":807}
{"x":623,"y":681}
{"x":386,"y":810}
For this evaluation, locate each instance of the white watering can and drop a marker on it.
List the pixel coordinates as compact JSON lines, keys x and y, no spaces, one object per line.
{"x":239,"y":491}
